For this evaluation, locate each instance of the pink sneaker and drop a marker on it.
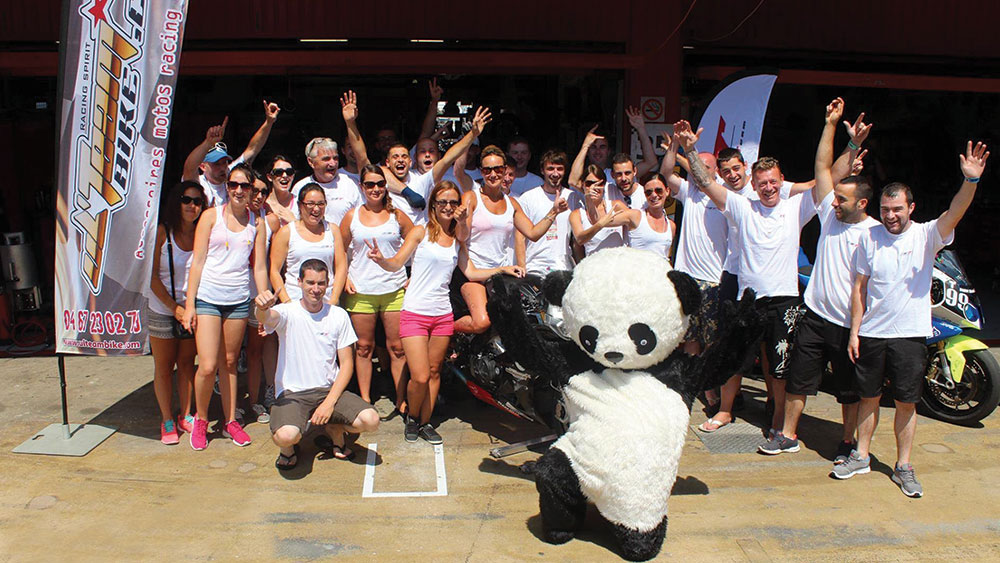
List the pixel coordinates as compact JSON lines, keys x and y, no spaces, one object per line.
{"x":186,"y":423}
{"x":168,"y":433}
{"x":234,"y":431}
{"x":199,"y":434}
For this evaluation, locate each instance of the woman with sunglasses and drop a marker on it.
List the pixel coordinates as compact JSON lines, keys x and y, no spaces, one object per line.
{"x":371,"y":290}
{"x":281,"y":178}
{"x":262,"y":350}
{"x":600,"y":223}
{"x":655,"y":231}
{"x":309,"y":237}
{"x":171,"y":262}
{"x":426,"y":322}
{"x":489,"y":217}
{"x":218,"y":300}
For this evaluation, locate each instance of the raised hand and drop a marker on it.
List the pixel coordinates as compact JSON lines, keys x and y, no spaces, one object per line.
{"x":349,"y":106}
{"x":973,"y":162}
{"x":265,"y":300}
{"x":834,"y":111}
{"x":560,"y":205}
{"x":635,"y":118}
{"x":482,"y":117}
{"x":858,"y":130}
{"x":591,"y":137}
{"x":215,"y":133}
{"x":435,"y":90}
{"x":857,"y":165}
{"x":271,"y":110}
{"x":688,"y":138}
{"x":373,"y":251}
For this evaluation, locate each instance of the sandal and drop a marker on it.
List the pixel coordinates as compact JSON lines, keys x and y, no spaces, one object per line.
{"x":287,"y":459}
{"x":711,"y":425}
{"x":325,"y":444}
{"x":343,"y":453}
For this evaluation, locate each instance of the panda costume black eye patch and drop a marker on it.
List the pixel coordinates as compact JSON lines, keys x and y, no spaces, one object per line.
{"x":643,"y":337}
{"x":588,"y":338}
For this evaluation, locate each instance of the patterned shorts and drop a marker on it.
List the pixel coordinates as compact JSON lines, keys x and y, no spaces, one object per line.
{"x":781,"y":315}
{"x":705,"y":322}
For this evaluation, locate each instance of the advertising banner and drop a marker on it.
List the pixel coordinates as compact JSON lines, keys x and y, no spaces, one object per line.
{"x":120,"y":60}
{"x":735,"y":116}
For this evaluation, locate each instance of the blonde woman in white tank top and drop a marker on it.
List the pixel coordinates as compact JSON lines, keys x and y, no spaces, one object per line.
{"x":487,"y":220}
{"x":655,"y":231}
{"x":426,"y":323}
{"x":371,"y":290}
{"x":312,"y":234}
{"x":598,"y":218}
{"x":217,"y":303}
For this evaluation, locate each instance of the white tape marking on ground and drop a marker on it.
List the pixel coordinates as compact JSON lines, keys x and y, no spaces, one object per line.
{"x":369,"y":484}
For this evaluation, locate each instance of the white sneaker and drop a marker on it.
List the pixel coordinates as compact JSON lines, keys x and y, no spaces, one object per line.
{"x":262,"y":415}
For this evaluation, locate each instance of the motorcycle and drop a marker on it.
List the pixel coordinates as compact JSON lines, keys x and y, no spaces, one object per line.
{"x":963,"y":377}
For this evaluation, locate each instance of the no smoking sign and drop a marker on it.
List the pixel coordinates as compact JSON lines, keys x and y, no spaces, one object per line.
{"x":653,"y":108}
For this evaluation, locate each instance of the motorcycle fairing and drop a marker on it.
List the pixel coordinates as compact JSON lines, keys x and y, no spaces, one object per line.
{"x":955,"y":349}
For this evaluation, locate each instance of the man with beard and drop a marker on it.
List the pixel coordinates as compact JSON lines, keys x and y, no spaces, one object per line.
{"x":552,"y":251}
{"x":891,"y":314}
{"x":822,"y":333}
{"x":209,"y":163}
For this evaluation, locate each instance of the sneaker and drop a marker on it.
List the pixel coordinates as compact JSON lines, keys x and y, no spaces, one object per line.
{"x":199,"y":435}
{"x":779,"y":444}
{"x":234,"y":431}
{"x":854,"y":465}
{"x":168,"y":433}
{"x":412,"y":428}
{"x":262,"y":415}
{"x":430,"y":435}
{"x":844,"y":450}
{"x":186,"y":423}
{"x":268,"y":396}
{"x":239,"y":416}
{"x":904,"y":476}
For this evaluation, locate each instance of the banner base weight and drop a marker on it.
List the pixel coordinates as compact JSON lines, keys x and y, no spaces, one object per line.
{"x":52,"y":440}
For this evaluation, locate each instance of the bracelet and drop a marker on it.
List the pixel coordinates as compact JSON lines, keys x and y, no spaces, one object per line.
{"x":973,"y":180}
{"x":852,"y":146}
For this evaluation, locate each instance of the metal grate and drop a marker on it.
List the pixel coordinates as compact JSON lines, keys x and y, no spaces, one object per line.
{"x":733,"y":438}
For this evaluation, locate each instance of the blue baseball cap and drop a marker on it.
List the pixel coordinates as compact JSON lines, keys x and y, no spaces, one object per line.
{"x":218,"y":152}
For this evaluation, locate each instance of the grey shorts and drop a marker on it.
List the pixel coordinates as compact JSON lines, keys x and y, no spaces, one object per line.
{"x":158,"y":326}
{"x":295,"y":408}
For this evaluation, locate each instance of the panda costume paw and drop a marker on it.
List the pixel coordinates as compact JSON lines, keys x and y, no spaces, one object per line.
{"x":629,"y":411}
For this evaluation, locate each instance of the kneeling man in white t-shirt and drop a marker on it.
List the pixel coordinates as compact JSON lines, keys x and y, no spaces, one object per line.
{"x":315,"y":364}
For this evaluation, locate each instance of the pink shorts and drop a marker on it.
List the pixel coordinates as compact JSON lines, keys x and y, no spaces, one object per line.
{"x":415,"y":324}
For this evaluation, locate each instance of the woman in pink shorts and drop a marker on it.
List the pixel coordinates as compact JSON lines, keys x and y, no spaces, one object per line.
{"x":426,"y":323}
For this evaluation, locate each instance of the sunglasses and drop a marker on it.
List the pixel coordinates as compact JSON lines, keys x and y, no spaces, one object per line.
{"x":658,"y":191}
{"x":370,"y":185}
{"x":494,"y":169}
{"x":589,"y":183}
{"x":447,"y":203}
{"x":233,"y":184}
{"x":281,"y":171}
{"x":186,"y":199}
{"x":255,"y":192}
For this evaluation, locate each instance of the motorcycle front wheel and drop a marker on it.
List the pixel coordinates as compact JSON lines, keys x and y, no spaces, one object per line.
{"x":973,"y":398}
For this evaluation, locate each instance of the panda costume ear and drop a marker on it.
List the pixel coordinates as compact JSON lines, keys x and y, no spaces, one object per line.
{"x":687,"y":291}
{"x":554,"y":286}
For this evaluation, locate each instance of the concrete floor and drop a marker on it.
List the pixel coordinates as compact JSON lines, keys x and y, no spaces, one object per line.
{"x":135,"y":499}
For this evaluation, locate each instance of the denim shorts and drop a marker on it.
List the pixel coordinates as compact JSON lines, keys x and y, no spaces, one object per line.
{"x":237,"y":311}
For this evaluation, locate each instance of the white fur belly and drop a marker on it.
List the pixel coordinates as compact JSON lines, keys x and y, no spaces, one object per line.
{"x":624,"y":441}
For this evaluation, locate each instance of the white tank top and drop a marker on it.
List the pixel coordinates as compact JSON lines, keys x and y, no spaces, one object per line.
{"x":368,"y":277}
{"x":182,"y":263}
{"x":644,"y":237}
{"x":300,"y":250}
{"x":224,"y":279}
{"x":492,"y":236}
{"x":433,"y":266}
{"x":608,"y":237}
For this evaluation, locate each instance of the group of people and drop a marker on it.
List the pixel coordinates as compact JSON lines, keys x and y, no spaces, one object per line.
{"x":388,"y":241}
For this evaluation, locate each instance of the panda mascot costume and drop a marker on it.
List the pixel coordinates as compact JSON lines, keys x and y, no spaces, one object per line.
{"x":628,"y":412}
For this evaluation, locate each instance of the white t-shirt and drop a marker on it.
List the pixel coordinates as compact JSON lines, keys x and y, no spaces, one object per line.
{"x":769,"y":237}
{"x":216,"y":193}
{"x":702,"y":242}
{"x":423,"y":184}
{"x":900,"y":268}
{"x":636,"y":201}
{"x":732,"y":262}
{"x":551,"y":252}
{"x":525,"y":183}
{"x":308,"y":344}
{"x":342,"y":195}
{"x":829,"y":290}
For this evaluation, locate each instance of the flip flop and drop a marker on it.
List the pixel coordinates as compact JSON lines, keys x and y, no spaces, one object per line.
{"x":343,"y":453}
{"x":711,"y":425}
{"x":289,"y":464}
{"x":325,"y":444}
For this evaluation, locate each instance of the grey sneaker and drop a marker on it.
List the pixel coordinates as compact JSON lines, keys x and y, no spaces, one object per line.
{"x":261,"y":413}
{"x":779,"y":444}
{"x":239,"y":415}
{"x":412,"y":427}
{"x":268,"y":396}
{"x":904,"y":476}
{"x":844,"y":450}
{"x":430,"y":435}
{"x":854,"y":465}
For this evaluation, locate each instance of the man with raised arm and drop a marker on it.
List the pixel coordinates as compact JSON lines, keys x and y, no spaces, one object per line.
{"x":823,"y":330}
{"x":891,"y":314}
{"x":595,"y":150}
{"x":209,"y":163}
{"x":315,"y":364}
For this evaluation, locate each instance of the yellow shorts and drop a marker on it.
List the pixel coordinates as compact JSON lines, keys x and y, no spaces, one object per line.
{"x":362,"y":303}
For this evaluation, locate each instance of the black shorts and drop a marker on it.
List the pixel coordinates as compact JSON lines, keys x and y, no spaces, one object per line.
{"x":295,"y":408}
{"x":704,"y":323}
{"x":780,"y":317}
{"x":902,"y":360}
{"x":818,"y":341}
{"x":729,"y":286}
